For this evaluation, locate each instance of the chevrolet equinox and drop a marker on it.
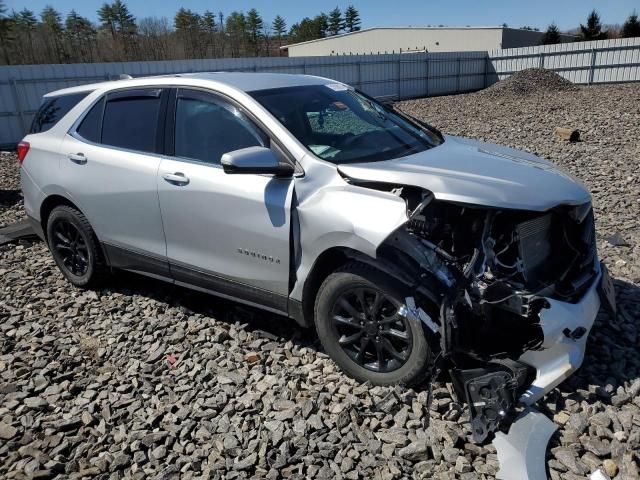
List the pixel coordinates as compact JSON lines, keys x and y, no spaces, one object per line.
{"x":410,"y":251}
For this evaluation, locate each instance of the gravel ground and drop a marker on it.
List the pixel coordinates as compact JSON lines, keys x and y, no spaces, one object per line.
{"x":141,"y":379}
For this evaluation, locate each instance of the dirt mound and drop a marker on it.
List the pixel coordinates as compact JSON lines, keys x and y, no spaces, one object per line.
{"x":529,"y":81}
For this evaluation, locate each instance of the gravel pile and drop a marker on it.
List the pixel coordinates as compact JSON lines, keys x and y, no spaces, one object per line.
{"x":530,"y":82}
{"x":145,"y":380}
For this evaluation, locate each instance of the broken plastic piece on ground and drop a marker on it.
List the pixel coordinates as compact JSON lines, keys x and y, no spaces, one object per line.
{"x":490,"y":393}
{"x":522,"y":451}
{"x":16,"y":231}
{"x":598,"y":475}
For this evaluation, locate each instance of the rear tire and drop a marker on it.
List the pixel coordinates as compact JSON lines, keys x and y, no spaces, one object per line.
{"x":74,"y":247}
{"x":358,"y":323}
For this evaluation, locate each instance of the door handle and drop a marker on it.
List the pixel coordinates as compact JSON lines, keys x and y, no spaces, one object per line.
{"x":78,"y":158}
{"x":177,"y":178}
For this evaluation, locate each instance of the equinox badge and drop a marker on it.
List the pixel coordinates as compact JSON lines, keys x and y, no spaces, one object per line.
{"x":258,"y":255}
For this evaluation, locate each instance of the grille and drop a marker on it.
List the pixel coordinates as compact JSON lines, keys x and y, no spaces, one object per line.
{"x":534,"y":245}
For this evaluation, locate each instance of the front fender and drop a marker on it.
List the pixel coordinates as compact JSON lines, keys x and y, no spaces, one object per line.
{"x":343,"y":215}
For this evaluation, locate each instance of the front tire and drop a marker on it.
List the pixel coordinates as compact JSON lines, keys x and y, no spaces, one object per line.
{"x":361,"y":327}
{"x":74,"y":246}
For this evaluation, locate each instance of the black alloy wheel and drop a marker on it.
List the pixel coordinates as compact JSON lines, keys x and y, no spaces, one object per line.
{"x":371,"y":330}
{"x":75,"y":247}
{"x":362,"y":322}
{"x":70,"y":246}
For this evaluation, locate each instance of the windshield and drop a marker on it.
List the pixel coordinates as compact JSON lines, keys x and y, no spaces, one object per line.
{"x":341,"y":125}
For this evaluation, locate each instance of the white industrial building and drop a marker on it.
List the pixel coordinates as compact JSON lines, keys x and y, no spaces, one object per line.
{"x":419,"y":39}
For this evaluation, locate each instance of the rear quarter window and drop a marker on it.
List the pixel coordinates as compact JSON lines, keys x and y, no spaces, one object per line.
{"x":53,"y":109}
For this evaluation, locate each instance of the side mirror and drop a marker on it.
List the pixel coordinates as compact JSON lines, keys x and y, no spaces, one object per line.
{"x":259,"y":160}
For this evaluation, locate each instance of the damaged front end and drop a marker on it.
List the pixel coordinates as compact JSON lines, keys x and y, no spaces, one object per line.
{"x":509,"y":296}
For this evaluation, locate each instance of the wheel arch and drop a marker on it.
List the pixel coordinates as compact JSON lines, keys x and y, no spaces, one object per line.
{"x":392,"y":262}
{"x":47,"y":206}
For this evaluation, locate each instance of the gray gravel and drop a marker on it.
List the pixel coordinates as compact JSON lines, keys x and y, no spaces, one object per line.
{"x":141,"y":379}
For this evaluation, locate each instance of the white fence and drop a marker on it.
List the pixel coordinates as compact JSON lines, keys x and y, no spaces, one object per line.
{"x":396,"y":76}
{"x":382,"y":76}
{"x":602,"y":61}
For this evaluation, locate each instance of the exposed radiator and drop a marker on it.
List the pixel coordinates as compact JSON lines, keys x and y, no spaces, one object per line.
{"x":534,"y":245}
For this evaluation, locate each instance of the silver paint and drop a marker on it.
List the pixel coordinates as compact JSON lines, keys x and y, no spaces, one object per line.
{"x":204,"y":221}
{"x":560,"y":355}
{"x":478,"y":173}
{"x":522,"y":451}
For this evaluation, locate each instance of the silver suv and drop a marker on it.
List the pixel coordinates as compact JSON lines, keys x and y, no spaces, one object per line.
{"x":410,"y":251}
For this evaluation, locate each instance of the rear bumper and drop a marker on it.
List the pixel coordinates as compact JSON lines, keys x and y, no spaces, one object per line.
{"x":37,"y":227}
{"x":32,"y":194}
{"x":560,"y":355}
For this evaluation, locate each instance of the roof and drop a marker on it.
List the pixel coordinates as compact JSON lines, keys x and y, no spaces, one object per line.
{"x":364,"y":30}
{"x":244,"y":81}
{"x":249,"y":81}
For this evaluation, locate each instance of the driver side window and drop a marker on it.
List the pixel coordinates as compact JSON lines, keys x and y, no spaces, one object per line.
{"x":207,"y":127}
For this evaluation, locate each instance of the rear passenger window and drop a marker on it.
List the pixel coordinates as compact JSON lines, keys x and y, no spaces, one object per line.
{"x":208,"y":127}
{"x":91,"y":124}
{"x":53,"y":109}
{"x":131,"y":119}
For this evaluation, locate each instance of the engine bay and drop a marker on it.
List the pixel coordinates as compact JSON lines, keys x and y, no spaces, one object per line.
{"x":486,"y":274}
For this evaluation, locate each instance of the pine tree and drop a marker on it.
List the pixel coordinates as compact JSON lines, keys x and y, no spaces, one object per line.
{"x":107,"y":18}
{"x":631,"y":27}
{"x":351,"y":19}
{"x":254,"y":28}
{"x":209,"y":22}
{"x":308,"y":29}
{"x":52,"y":19}
{"x":187,"y":24}
{"x":236,"y":28}
{"x":125,"y":22}
{"x":27,"y":19}
{"x":210,"y":28}
{"x":52,"y":23}
{"x":81,"y":35}
{"x":336,"y":23}
{"x":118,"y":21}
{"x":321,"y":25}
{"x":593,"y":29}
{"x":279,"y":26}
{"x":551,"y":36}
{"x":26,"y":22}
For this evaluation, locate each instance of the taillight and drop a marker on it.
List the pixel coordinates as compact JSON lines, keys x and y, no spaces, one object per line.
{"x":23,"y":149}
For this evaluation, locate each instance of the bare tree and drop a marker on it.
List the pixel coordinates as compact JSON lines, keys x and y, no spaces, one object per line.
{"x":153,"y":38}
{"x":5,"y":33}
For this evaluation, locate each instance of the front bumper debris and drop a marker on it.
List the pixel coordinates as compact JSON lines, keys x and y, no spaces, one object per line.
{"x":565,"y":327}
{"x":522,"y":451}
{"x":495,"y":388}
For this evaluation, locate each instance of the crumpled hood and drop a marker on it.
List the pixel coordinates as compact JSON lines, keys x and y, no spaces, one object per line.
{"x":479,"y":173}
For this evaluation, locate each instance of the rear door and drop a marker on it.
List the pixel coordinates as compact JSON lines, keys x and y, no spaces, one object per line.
{"x":227,"y":233}
{"x":110,"y":170}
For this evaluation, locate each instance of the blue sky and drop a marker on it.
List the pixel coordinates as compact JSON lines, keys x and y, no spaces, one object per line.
{"x":538,"y":13}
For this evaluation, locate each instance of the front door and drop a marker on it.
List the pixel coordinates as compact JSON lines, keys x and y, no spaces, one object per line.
{"x":226,"y":233}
